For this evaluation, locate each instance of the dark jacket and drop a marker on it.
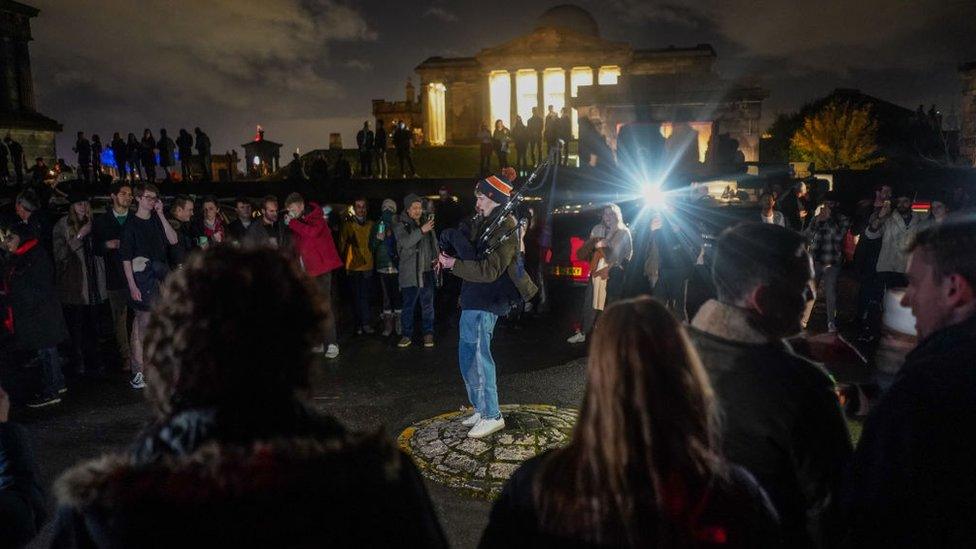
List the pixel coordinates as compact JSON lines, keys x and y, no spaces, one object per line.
{"x":364,"y":140}
{"x":120,"y":154}
{"x":401,"y":139}
{"x":105,"y":228}
{"x":184,"y":144}
{"x":912,"y":481}
{"x":148,"y":151}
{"x":236,"y":229}
{"x":21,"y":495}
{"x":381,"y":139}
{"x":167,"y":149}
{"x":203,"y":143}
{"x":494,"y":282}
{"x":293,"y":479}
{"x":735,"y":511}
{"x":261,"y":234}
{"x":780,"y":419}
{"x":83,"y":148}
{"x":28,"y":281}
{"x":186,"y":242}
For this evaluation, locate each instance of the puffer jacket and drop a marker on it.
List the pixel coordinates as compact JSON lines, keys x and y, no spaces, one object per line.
{"x":80,"y":271}
{"x":417,"y":251}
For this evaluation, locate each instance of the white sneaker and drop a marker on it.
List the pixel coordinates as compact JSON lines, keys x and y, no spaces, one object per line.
{"x":486,"y":427}
{"x":318,"y":349}
{"x":472,"y":420}
{"x":578,"y":337}
{"x":333,"y":351}
{"x":137,"y":381}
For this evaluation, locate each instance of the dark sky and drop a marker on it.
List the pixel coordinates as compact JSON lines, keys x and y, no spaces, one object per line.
{"x":305,"y":68}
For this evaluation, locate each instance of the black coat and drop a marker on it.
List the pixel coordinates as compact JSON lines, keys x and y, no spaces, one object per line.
{"x":283,"y":478}
{"x":120,"y":153}
{"x":913,"y":480}
{"x":781,"y":420}
{"x":21,"y":495}
{"x":29,"y":278}
{"x":736,"y":508}
{"x":105,"y":228}
{"x":186,"y":242}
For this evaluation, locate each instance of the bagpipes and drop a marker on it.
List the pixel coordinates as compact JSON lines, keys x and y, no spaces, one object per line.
{"x":493,"y":232}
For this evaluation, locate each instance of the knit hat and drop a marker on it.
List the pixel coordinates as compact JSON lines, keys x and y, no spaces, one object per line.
{"x":388,"y":205}
{"x":496,"y":187}
{"x":410,"y":199}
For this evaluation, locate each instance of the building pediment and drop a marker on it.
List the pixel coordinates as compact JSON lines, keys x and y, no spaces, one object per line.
{"x":555,"y":44}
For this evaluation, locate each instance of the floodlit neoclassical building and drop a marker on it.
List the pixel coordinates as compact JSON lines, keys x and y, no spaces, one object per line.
{"x":565,"y":62}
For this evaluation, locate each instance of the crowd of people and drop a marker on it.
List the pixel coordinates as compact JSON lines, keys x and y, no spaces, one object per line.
{"x":708,"y":432}
{"x":527,"y":137}
{"x":374,"y":148}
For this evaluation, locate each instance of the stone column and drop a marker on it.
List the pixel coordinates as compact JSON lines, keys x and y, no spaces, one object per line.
{"x":513,"y":94}
{"x":540,"y":93}
{"x":11,"y":88}
{"x":24,"y":77}
{"x":567,"y":76}
{"x":5,"y":73}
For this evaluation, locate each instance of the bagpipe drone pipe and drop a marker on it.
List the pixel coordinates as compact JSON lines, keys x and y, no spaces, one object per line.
{"x":477,"y":237}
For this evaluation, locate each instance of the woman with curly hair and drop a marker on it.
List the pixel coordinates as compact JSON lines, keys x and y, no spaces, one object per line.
{"x":236,"y":456}
{"x":643,"y":468}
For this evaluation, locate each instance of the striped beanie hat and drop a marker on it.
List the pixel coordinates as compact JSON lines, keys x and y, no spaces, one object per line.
{"x":496,"y":187}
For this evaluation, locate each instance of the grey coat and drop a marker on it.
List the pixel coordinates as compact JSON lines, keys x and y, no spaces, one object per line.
{"x":417,"y":251}
{"x":72,"y":259}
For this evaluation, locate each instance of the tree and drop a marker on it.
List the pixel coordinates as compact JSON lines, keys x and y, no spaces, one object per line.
{"x":839,"y":135}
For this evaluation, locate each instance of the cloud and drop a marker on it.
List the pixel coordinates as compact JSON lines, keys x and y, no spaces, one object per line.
{"x":358,"y":64}
{"x":215,"y":60}
{"x":441,"y":13}
{"x":831,"y":35}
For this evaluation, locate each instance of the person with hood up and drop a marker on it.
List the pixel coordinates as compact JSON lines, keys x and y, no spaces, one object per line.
{"x":386,"y":261}
{"x":416,"y":242}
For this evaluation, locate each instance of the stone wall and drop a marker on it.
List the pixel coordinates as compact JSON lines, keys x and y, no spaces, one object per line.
{"x":35,"y":142}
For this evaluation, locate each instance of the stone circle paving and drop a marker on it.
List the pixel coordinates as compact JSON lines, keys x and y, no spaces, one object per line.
{"x":443,"y":452}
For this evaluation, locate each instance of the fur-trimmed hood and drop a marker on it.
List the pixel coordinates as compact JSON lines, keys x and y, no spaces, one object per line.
{"x":288,"y":492}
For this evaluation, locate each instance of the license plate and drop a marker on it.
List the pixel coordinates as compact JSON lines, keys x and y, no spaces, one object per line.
{"x":567,"y":271}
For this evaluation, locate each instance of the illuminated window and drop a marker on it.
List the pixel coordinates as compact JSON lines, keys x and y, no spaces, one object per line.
{"x":554,"y":89}
{"x":527,"y":91}
{"x":500,"y":94}
{"x":608,"y":75}
{"x":579,"y":76}
{"x":437,"y":113}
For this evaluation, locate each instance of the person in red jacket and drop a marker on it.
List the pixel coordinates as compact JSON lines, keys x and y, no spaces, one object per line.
{"x":313,"y":243}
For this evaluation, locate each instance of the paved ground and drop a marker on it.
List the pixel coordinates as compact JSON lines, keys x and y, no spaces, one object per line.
{"x":373,"y":385}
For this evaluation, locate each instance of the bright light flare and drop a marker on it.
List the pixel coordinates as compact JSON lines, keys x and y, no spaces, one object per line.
{"x":654,"y":197}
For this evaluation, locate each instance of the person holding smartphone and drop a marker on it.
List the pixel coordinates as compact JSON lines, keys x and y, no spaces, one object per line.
{"x":146,"y":237}
{"x":417,"y":248}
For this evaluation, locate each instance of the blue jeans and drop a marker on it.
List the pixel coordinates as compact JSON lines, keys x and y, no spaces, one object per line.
{"x":425,"y":295}
{"x":52,"y":378}
{"x":477,"y":364}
